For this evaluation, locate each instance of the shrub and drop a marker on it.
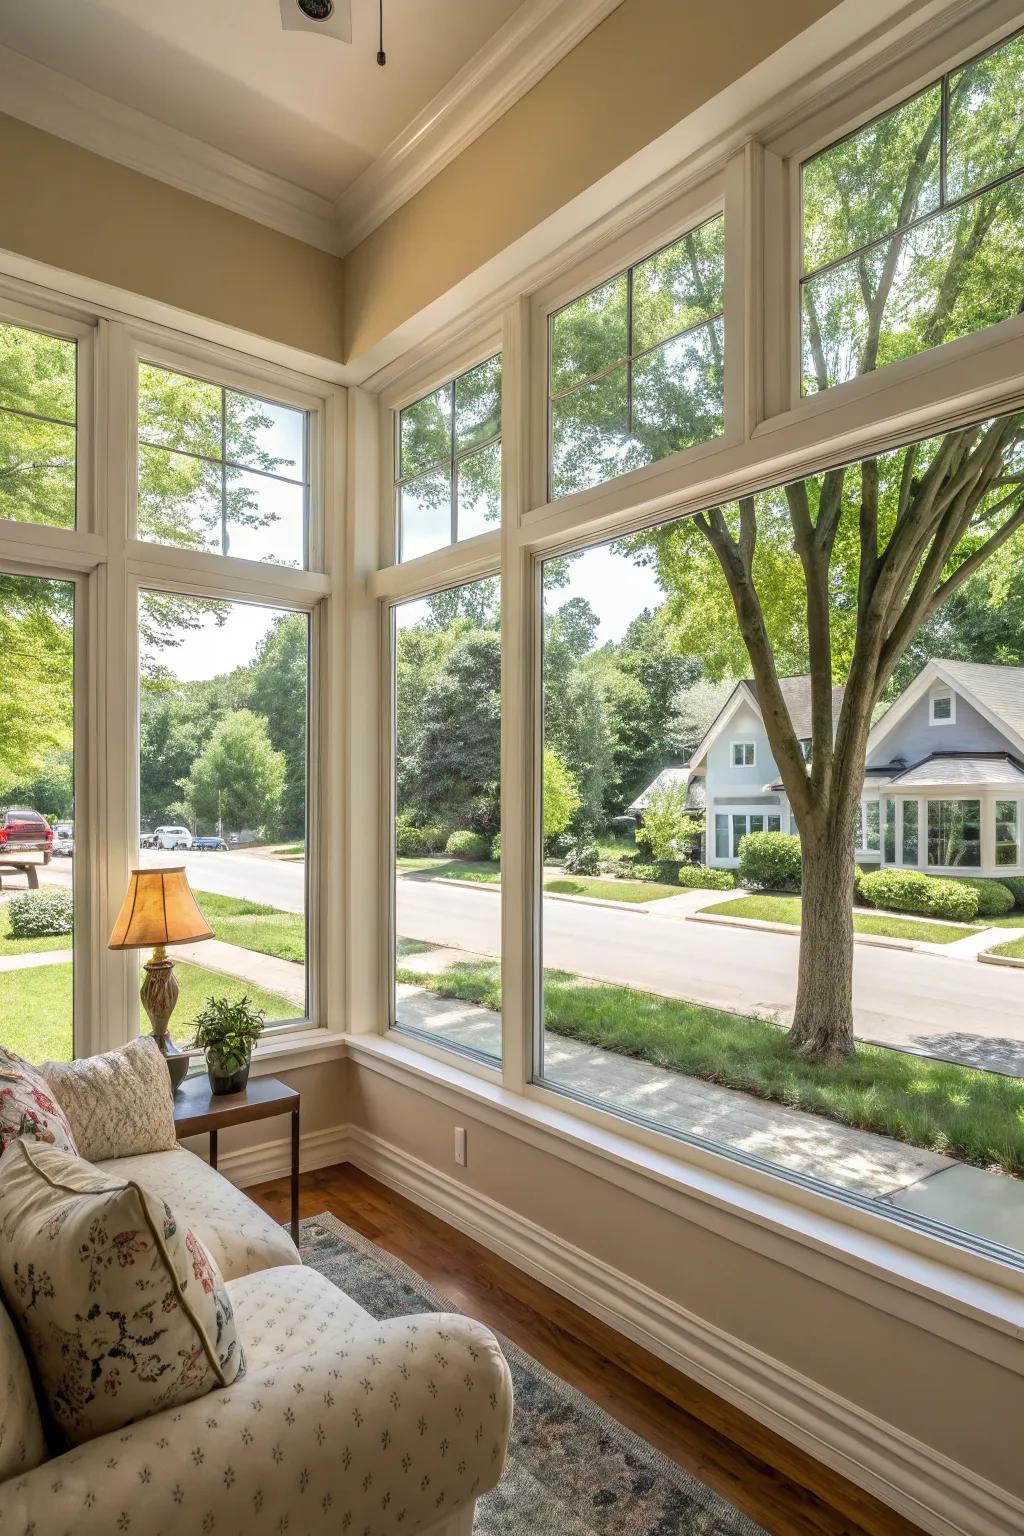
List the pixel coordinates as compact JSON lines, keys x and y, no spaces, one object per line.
{"x":583,"y":858}
{"x":467,"y":845}
{"x":1015,"y":885}
{"x":646,"y":872}
{"x":667,"y":832}
{"x":994,"y":898}
{"x":770,"y":861}
{"x":496,"y":847}
{"x":702,"y":878}
{"x":417,"y":842}
{"x":41,"y":915}
{"x":905,"y":890}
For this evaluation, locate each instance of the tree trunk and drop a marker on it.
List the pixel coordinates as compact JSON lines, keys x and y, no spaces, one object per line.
{"x":822,"y":1028}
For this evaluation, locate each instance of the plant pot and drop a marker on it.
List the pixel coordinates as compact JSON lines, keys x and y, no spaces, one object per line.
{"x":225,"y":1075}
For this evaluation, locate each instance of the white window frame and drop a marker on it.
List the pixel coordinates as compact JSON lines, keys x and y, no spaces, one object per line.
{"x":109,"y":565}
{"x":743,"y":744}
{"x":933,"y":699}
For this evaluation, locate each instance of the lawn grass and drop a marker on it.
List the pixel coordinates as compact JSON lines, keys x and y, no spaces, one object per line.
{"x":479,"y":871}
{"x":415,"y":947}
{"x":36,"y":1006}
{"x":611,"y":890}
{"x":1013,"y":947}
{"x":786,"y":909}
{"x":253,"y":925}
{"x":9,"y":946}
{"x":977,"y":1117}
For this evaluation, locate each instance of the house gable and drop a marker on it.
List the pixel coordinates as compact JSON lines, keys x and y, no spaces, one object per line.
{"x":908,"y":732}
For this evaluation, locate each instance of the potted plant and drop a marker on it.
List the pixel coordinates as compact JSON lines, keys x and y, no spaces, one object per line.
{"x":227,"y":1032}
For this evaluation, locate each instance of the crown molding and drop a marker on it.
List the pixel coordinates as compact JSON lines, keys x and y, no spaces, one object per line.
{"x":70,"y":110}
{"x":523,"y":51}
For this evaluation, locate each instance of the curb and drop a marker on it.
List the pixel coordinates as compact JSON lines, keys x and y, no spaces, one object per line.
{"x":872,"y":940}
{"x":581,"y":901}
{"x":1008,"y":960}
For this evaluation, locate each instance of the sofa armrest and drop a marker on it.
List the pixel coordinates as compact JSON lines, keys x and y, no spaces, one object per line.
{"x":387,"y":1427}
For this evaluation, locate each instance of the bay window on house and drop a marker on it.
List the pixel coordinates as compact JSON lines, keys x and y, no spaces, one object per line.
{"x":954,"y":833}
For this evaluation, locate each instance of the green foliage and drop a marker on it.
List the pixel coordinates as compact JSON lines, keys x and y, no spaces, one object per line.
{"x":467,"y":845}
{"x":40,"y":915}
{"x":904,"y":890}
{"x":561,"y":795}
{"x":36,"y":644}
{"x":667,"y":832}
{"x":417,"y":842}
{"x":227,"y":1032}
{"x":496,"y":848}
{"x":995,"y":898}
{"x":583,"y":858}
{"x":277,"y":690}
{"x":704,"y":878}
{"x":238,"y":777}
{"x":1015,"y":885}
{"x":770,"y":861}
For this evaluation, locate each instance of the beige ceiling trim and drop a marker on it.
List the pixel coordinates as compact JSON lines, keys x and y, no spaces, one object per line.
{"x":59,"y":105}
{"x":523,"y":51}
{"x":529,"y":45}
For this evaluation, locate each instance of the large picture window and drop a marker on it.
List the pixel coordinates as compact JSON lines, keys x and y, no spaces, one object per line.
{"x":447,"y":829}
{"x":38,"y":433}
{"x":636,"y":366}
{"x":449,"y":462}
{"x":220,"y":470}
{"x":907,"y":221}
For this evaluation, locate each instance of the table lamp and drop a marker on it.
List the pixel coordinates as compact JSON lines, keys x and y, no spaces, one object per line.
{"x":160,"y":909}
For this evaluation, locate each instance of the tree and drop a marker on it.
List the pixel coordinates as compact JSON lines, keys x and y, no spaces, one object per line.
{"x":574,"y":714}
{"x":449,"y":756}
{"x":277,"y":691}
{"x":561,"y":796}
{"x":36,"y":700}
{"x":667,"y":831}
{"x":237,"y":779}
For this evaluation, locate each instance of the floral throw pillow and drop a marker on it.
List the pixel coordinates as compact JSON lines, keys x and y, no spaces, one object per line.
{"x":118,"y":1104}
{"x":122,"y":1312}
{"x":28,"y":1108}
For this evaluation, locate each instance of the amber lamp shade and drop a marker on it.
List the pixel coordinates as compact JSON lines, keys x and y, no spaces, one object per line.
{"x":160,"y":909}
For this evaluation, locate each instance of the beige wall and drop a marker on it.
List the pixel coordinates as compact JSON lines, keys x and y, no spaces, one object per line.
{"x":322,"y":1088}
{"x":955,"y":1401}
{"x":646,"y":67}
{"x":72,"y":209}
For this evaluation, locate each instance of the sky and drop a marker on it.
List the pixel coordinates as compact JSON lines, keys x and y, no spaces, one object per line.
{"x":211,"y":650}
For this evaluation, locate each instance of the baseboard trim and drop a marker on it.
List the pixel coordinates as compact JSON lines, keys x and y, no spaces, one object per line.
{"x":942,"y":1496}
{"x":273,"y":1159}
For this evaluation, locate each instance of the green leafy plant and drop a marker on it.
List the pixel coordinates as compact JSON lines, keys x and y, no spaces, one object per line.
{"x":583,"y":857}
{"x":667,"y":831}
{"x":1015,"y":885}
{"x":412,"y":842}
{"x":701,"y":877}
{"x":770,"y":861}
{"x":994,"y":898}
{"x":41,"y":915}
{"x":904,"y":890}
{"x":227,"y":1032}
{"x":467,"y":845}
{"x":496,"y":848}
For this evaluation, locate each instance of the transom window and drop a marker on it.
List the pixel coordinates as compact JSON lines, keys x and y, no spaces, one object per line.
{"x":220,"y":470}
{"x":448,"y":486}
{"x":636,"y":366}
{"x":743,"y":754}
{"x":38,"y":413}
{"x":907,"y":220}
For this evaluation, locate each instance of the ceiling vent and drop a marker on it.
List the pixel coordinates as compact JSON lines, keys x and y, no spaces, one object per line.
{"x":329,"y":18}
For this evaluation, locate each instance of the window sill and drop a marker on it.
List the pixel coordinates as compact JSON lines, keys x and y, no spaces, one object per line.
{"x":955,"y":1293}
{"x":301,"y":1048}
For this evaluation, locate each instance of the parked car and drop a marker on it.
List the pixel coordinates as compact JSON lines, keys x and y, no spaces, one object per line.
{"x":170,"y":837}
{"x":64,"y":839}
{"x":209,"y":845}
{"x":23,"y":831}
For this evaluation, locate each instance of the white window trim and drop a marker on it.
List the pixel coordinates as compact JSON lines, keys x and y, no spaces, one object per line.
{"x":742,"y":743}
{"x":935,"y":695}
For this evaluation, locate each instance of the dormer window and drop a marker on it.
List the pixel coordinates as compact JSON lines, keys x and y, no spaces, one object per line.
{"x":943,"y":709}
{"x":743,"y":754}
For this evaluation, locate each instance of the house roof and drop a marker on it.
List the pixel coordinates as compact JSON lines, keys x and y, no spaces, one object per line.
{"x":796,"y":695}
{"x":997,"y":692}
{"x":670,"y":778}
{"x":956,"y":769}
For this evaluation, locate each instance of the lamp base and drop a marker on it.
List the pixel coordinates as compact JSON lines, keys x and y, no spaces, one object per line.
{"x":159,"y":994}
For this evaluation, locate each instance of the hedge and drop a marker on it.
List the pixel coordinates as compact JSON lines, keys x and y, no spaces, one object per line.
{"x":994,"y":897}
{"x":702,"y":878}
{"x":41,"y":915}
{"x":905,"y":890}
{"x":417,"y":842}
{"x":770,"y":861}
{"x":467,"y":845}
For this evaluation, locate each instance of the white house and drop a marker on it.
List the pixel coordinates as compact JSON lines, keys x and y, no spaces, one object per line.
{"x":944,"y":778}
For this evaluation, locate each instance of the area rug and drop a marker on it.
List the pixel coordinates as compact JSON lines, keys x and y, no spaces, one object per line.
{"x":572,"y":1470}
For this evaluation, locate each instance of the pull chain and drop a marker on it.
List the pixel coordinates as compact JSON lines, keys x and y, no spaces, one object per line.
{"x":382,"y":57}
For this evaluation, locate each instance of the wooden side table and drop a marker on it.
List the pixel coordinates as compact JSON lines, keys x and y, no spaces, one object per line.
{"x":197,"y":1109}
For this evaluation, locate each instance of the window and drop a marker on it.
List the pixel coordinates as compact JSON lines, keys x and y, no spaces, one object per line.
{"x":954,"y":833}
{"x":37,"y":816}
{"x":221,"y":471}
{"x":449,"y":462}
{"x":867,"y":825}
{"x":743,"y":754}
{"x":943,"y":709}
{"x":909,"y":853}
{"x":635,"y":366}
{"x":38,"y":435}
{"x":1007,"y":833}
{"x":905,"y":222}
{"x":889,"y":853}
{"x":446,"y":653}
{"x":222,"y":790}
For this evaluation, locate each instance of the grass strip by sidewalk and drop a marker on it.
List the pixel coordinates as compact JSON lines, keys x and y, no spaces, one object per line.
{"x":477,"y":871}
{"x":35,"y":1007}
{"x":633,"y":891}
{"x":253,"y":925}
{"x":786,"y":909}
{"x":1014,"y":948}
{"x":9,"y":946}
{"x":977,"y":1117}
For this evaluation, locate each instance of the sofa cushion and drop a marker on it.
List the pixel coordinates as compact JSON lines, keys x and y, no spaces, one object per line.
{"x":122,"y":1310}
{"x":22,"y":1445}
{"x":27,"y":1107}
{"x":118,"y":1104}
{"x":285,"y":1313}
{"x":240,"y":1236}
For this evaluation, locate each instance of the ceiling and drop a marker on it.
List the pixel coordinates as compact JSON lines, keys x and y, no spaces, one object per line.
{"x":307,"y":108}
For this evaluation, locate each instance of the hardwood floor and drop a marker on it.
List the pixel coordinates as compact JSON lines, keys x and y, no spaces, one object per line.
{"x":780,"y":1487}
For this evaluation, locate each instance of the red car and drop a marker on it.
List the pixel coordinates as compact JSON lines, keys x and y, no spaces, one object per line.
{"x":24,"y":831}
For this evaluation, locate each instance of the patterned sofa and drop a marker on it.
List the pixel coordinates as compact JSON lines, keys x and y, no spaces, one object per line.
{"x":340,"y":1424}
